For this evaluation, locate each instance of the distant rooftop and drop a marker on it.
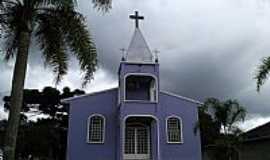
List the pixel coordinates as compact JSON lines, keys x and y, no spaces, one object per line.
{"x":258,"y":133}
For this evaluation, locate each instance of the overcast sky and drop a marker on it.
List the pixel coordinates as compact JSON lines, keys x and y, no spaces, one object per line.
{"x":208,"y":48}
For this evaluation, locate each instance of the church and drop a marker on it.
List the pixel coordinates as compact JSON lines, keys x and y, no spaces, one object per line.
{"x":136,"y":120}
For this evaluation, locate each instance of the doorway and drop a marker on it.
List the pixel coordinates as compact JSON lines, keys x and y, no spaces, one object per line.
{"x":137,"y":144}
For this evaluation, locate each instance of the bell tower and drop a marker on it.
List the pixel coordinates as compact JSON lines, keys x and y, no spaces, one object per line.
{"x":139,"y":70}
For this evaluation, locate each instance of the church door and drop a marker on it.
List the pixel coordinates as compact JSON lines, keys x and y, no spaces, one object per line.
{"x":137,"y":143}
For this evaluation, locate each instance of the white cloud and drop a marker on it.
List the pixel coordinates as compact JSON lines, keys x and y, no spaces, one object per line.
{"x":3,"y":115}
{"x":253,"y":121}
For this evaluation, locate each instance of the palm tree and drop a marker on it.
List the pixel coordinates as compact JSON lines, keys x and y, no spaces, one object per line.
{"x":59,"y":30}
{"x":224,"y":116}
{"x":263,"y":72}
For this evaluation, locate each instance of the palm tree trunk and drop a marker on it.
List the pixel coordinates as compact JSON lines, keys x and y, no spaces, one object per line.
{"x":16,"y":95}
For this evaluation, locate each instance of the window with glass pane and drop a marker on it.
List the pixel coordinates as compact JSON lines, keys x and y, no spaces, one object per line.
{"x":174,"y":134}
{"x":96,"y":129}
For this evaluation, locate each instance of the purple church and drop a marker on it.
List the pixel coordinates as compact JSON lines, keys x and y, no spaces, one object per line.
{"x":135,"y":121}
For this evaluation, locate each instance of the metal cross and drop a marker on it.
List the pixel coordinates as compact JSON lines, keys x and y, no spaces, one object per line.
{"x":136,"y":17}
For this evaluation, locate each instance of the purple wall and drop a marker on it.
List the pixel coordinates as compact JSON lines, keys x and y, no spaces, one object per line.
{"x":126,"y":69}
{"x":104,"y":103}
{"x":107,"y":104}
{"x":170,"y":106}
{"x":191,"y":148}
{"x":138,"y":94}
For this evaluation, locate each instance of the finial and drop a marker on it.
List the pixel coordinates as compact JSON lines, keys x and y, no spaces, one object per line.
{"x":123,"y":54}
{"x":136,"y":17}
{"x":156,"y":54}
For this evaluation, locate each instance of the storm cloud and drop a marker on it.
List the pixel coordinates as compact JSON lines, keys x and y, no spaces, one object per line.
{"x":208,"y":48}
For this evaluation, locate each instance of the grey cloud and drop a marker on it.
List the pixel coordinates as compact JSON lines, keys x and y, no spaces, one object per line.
{"x":207,"y":48}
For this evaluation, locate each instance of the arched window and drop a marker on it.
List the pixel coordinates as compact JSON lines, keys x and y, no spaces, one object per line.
{"x":96,"y":129}
{"x":174,"y":130}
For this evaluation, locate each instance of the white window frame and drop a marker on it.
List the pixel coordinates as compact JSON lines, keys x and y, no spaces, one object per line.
{"x":142,"y":74}
{"x":181,"y":130}
{"x":103,"y":128}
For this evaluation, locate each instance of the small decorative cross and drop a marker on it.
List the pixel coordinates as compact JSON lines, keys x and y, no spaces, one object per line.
{"x":136,"y":17}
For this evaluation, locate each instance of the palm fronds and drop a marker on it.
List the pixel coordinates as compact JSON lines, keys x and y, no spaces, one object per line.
{"x":263,"y":72}
{"x":11,"y":44}
{"x":80,"y":43}
{"x":218,"y":124}
{"x":68,"y":27}
{"x":51,"y":41}
{"x":103,"y":5}
{"x":59,"y":29}
{"x":226,"y":113}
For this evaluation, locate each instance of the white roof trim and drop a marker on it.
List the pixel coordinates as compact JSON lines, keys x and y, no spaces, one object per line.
{"x":138,"y":62}
{"x":165,"y":92}
{"x":182,"y":97}
{"x":88,"y":94}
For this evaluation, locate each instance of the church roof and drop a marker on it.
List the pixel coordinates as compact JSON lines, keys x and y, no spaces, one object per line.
{"x":138,"y":50}
{"x":67,"y":100}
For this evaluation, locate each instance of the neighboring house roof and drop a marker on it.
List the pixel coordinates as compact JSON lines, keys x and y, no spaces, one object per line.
{"x":259,"y":133}
{"x":138,"y":50}
{"x":111,"y":89}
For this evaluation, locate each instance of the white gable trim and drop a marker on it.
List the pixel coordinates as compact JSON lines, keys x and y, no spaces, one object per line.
{"x":182,"y":97}
{"x":66,"y":100}
{"x":138,"y":62}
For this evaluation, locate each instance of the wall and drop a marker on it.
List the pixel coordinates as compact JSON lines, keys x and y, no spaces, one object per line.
{"x":190,"y":149}
{"x":130,"y":68}
{"x":104,"y":103}
{"x":169,"y":106}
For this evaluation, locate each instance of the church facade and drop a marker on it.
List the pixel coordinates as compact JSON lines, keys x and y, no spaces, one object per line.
{"x":135,"y":121}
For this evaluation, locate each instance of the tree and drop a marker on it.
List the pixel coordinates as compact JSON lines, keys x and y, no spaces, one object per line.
{"x":46,"y":102}
{"x":209,"y":129}
{"x":263,"y":72}
{"x":42,"y":139}
{"x":222,"y":118}
{"x":59,"y":30}
{"x":46,"y":137}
